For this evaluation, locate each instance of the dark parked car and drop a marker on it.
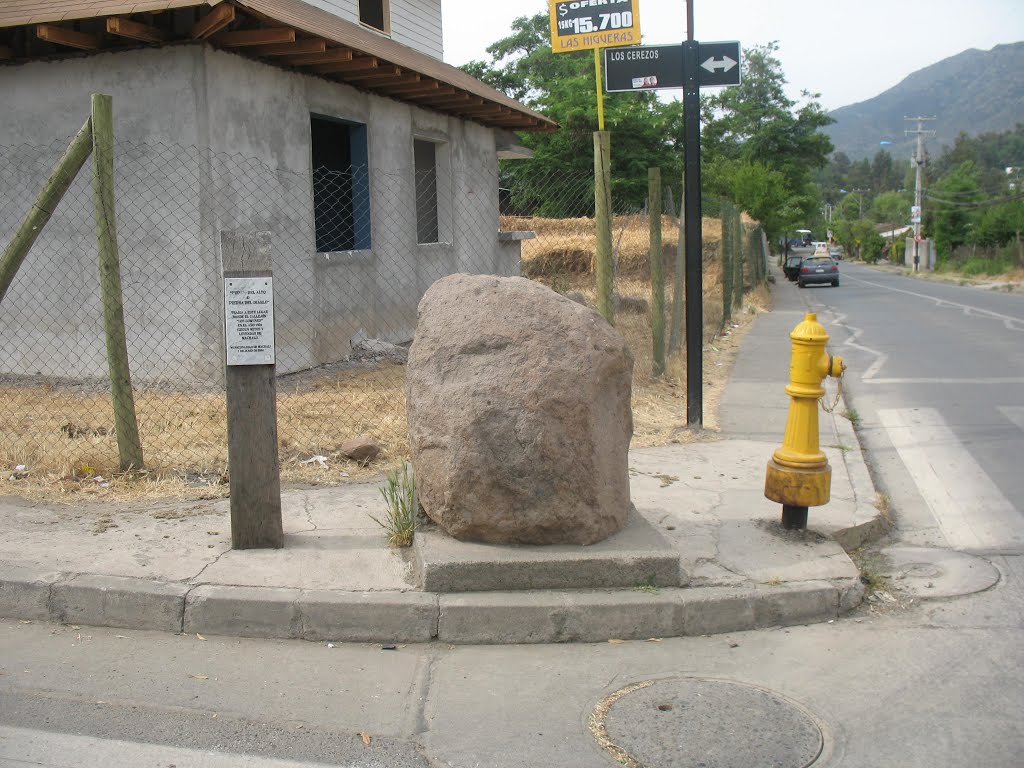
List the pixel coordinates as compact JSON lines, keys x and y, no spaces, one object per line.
{"x":818,"y":269}
{"x":792,"y":266}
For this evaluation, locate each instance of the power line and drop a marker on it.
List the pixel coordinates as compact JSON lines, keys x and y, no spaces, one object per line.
{"x":977,"y":204}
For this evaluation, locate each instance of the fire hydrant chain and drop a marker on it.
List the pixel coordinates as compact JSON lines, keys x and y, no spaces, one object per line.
{"x":839,"y":393}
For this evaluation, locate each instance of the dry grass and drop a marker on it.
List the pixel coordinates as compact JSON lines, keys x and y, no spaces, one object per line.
{"x":65,"y":437}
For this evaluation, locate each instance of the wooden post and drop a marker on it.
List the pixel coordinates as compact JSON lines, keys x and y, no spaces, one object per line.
{"x":657,"y":280}
{"x":603,"y":224}
{"x":675,"y":337}
{"x":44,"y":206}
{"x":727,"y":260}
{"x":740,"y":253}
{"x":253,"y":468}
{"x":126,"y":426}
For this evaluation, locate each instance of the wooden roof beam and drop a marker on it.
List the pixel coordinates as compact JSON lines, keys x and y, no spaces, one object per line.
{"x":332,"y":56}
{"x":310,"y":45}
{"x":510,"y":121}
{"x":459,"y":99}
{"x":133,"y":30}
{"x":421,"y":88}
{"x":213,"y":22}
{"x":389,"y":70}
{"x":408,"y":78}
{"x":355,"y":65}
{"x":494,"y":109}
{"x":84,"y":41}
{"x":442,"y":92}
{"x":246,"y":37}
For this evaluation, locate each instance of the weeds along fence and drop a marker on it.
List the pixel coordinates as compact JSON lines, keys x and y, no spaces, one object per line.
{"x":353,"y":251}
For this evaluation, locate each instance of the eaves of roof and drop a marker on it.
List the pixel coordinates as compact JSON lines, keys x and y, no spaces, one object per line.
{"x":285,"y":33}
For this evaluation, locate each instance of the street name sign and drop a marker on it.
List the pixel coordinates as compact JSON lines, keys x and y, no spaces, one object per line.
{"x":643,"y":68}
{"x":578,"y":25}
{"x":654,"y":67}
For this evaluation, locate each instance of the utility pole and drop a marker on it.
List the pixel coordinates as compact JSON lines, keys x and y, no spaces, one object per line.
{"x":915,"y":214}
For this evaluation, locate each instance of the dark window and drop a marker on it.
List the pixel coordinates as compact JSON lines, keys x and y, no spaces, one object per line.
{"x":425,"y":162}
{"x":374,"y":13}
{"x":341,"y":189}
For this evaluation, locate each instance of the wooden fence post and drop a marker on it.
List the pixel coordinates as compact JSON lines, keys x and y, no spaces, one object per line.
{"x":739,"y":255}
{"x":727,"y":260}
{"x":603,"y":223}
{"x":675,"y":336}
{"x":657,"y":280}
{"x":126,"y":426}
{"x":45,"y":204}
{"x":253,"y":467}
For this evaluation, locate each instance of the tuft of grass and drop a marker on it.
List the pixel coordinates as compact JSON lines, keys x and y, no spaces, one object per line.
{"x":884,"y":505}
{"x":853,"y":416}
{"x":399,"y":494}
{"x":646,"y":585}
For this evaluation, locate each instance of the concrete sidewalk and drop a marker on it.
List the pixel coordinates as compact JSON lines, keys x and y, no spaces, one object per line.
{"x":703,"y":554}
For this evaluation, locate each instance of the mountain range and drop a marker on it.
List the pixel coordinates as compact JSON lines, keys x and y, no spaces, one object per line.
{"x":973,"y":92}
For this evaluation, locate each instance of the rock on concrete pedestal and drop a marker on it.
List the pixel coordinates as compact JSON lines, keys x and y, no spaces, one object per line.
{"x":519,"y":414}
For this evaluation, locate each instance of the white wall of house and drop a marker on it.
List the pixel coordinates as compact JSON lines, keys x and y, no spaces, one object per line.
{"x":173,"y":103}
{"x":415,"y":23}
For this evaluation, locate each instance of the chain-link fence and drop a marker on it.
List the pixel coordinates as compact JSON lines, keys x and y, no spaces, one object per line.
{"x":353,"y":251}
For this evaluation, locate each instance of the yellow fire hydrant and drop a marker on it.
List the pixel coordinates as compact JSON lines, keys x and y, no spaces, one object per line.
{"x":799,"y":475}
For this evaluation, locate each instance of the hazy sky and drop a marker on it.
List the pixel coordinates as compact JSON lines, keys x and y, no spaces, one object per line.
{"x":846,"y":51}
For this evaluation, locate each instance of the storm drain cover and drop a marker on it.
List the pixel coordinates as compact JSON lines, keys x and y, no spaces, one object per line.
{"x":702,"y":723}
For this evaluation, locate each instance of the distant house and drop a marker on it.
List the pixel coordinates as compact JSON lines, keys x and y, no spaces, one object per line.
{"x":378,"y":166}
{"x":892,"y":231}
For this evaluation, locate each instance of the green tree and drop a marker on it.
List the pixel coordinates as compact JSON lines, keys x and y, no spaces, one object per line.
{"x":953,"y":201}
{"x":859,"y":238}
{"x":754,"y":134}
{"x":645,"y":131}
{"x":891,"y":208}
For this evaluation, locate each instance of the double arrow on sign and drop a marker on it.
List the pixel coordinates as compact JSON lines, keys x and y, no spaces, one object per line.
{"x":725,"y":64}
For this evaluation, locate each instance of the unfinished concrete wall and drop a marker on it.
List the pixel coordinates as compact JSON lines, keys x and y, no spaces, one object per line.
{"x":51,"y":318}
{"x":206,"y":141}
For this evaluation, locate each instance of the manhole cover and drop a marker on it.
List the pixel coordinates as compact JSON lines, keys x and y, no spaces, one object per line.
{"x":700,"y":723}
{"x":929,"y":572}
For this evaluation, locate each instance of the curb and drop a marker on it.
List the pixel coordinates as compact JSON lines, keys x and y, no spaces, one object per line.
{"x":868,"y":523}
{"x":417,"y":617}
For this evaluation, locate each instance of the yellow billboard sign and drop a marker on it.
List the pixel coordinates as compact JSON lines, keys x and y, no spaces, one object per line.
{"x":577,"y":25}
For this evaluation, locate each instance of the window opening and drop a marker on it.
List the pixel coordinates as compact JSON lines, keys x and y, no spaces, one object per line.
{"x":425,"y":162}
{"x":341,"y":189}
{"x":374,"y":13}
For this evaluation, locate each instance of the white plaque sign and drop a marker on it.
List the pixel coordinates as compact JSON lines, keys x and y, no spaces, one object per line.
{"x":249,"y":320}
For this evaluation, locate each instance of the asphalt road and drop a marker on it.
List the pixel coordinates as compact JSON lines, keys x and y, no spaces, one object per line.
{"x":936,"y":380}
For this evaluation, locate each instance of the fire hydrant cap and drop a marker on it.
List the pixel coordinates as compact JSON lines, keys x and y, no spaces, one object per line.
{"x":809,"y":330}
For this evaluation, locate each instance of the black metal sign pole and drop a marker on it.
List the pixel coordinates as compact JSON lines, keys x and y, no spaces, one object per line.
{"x":692,"y":226}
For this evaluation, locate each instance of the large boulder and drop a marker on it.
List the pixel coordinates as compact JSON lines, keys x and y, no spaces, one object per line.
{"x":519,"y":414}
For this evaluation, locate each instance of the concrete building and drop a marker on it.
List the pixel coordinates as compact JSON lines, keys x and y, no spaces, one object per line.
{"x":333,"y":124}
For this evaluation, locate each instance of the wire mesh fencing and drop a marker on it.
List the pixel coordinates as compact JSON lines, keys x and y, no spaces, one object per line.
{"x":353,"y":251}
